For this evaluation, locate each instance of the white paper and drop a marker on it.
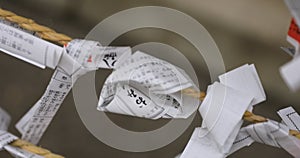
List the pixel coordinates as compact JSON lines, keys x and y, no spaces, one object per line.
{"x":129,"y":100}
{"x":243,"y":139}
{"x":156,"y":81}
{"x":73,"y":64}
{"x":290,"y":74}
{"x":294,"y":7}
{"x":33,"y":127}
{"x":91,"y":55}
{"x":201,"y":146}
{"x":291,"y":144}
{"x":290,"y":117}
{"x":263,"y":132}
{"x":222,"y":111}
{"x":270,"y":133}
{"x":6,"y":138}
{"x":29,"y":48}
{"x":34,"y":123}
{"x":246,"y":80}
{"x":23,"y":122}
{"x":20,"y":153}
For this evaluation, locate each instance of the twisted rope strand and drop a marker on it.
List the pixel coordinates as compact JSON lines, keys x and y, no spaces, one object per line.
{"x":34,"y":149}
{"x":30,"y":25}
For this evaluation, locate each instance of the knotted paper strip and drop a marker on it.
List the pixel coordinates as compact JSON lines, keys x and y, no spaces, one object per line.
{"x":77,"y":59}
{"x":222,"y":111}
{"x":223,"y":108}
{"x":270,"y":133}
{"x":145,"y":86}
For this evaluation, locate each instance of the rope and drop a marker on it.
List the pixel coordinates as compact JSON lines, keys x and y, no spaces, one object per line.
{"x":61,"y":39}
{"x":34,"y":149}
{"x":39,"y":30}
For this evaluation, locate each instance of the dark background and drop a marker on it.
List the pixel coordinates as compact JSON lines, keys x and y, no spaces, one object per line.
{"x":245,"y":32}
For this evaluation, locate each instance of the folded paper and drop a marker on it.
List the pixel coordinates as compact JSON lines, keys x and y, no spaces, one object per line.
{"x":28,"y":47}
{"x":145,"y":86}
{"x":78,"y":58}
{"x":246,"y":80}
{"x":201,"y":146}
{"x":270,"y":133}
{"x":222,"y":111}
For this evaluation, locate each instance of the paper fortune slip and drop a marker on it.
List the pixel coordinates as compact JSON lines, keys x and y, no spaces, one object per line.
{"x":78,"y":58}
{"x":246,"y":80}
{"x":270,"y":133}
{"x":222,"y":111}
{"x":145,"y":86}
{"x":29,"y":48}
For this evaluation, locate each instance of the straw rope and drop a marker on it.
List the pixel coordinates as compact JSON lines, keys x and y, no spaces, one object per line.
{"x":39,"y":30}
{"x":34,"y":149}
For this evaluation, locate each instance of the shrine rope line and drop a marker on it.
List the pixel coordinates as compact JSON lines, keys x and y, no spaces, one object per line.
{"x":49,"y":34}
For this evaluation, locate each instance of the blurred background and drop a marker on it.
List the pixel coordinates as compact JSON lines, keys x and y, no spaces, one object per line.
{"x":245,"y":32}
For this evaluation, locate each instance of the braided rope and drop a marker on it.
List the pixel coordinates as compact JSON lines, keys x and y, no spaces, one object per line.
{"x":34,"y":149}
{"x":61,"y":39}
{"x":41,"y":31}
